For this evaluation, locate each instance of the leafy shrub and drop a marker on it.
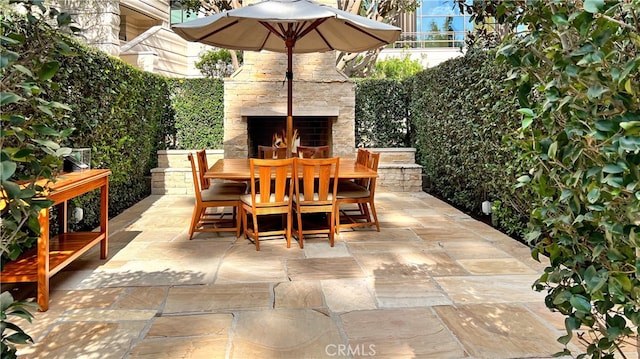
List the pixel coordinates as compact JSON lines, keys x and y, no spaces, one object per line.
{"x":460,"y":114}
{"x":576,"y":70}
{"x":396,"y":68}
{"x":217,"y":63}
{"x":123,"y":115}
{"x":199,"y":112}
{"x":382,"y":117}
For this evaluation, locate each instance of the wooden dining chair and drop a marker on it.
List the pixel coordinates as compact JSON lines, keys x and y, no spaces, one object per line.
{"x":315,"y":192}
{"x":270,"y":152}
{"x":268,"y":197}
{"x":358,"y":209}
{"x":203,"y":165}
{"x":312,"y":151}
{"x":362,"y":194}
{"x":219,"y":196}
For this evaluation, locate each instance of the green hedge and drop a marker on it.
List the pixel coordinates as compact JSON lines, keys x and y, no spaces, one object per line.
{"x":461,"y":114}
{"x":382,"y":116}
{"x":199,"y":112}
{"x":121,"y":114}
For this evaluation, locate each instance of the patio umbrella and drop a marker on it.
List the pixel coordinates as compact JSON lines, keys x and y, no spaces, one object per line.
{"x":300,"y":26}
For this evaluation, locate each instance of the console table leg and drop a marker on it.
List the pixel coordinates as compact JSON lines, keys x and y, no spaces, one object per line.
{"x":104,"y":219}
{"x":43,"y":261}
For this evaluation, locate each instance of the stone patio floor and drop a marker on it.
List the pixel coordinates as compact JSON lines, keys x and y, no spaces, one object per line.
{"x":433,"y":283}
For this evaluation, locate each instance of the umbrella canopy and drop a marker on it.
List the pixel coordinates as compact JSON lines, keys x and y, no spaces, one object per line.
{"x":300,"y":26}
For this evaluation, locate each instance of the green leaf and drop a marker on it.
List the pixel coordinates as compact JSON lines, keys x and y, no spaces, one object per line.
{"x":552,"y":150}
{"x":8,"y":97}
{"x":7,"y":57}
{"x":559,"y":19}
{"x":593,"y":6}
{"x":526,"y":112}
{"x":612,"y":168}
{"x":593,"y":280}
{"x":46,"y":110}
{"x":48,"y":70}
{"x":44,"y":130}
{"x":23,"y":69}
{"x":6,"y":301}
{"x":596,"y":91}
{"x":8,"y":169}
{"x":12,"y":189}
{"x":22,"y":153}
{"x":526,"y":122}
{"x":47,"y":143}
{"x":593,"y":195}
{"x":628,"y":125}
{"x":580,"y":303}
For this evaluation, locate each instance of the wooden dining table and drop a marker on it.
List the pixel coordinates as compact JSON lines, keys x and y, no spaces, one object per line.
{"x":238,"y":169}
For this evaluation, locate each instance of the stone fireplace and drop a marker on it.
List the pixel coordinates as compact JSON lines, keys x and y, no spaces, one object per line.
{"x":255,"y":103}
{"x":255,"y":107}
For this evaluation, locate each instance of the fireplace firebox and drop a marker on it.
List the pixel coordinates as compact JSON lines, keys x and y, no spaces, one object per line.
{"x":312,"y":131}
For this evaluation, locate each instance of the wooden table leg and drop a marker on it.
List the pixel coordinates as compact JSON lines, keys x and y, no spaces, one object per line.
{"x":104,"y":219}
{"x":43,"y":261}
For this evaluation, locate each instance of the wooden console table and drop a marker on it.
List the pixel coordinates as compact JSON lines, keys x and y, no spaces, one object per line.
{"x":51,"y":255}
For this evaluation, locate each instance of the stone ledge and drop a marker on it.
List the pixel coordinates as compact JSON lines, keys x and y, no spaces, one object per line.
{"x":397,"y":171}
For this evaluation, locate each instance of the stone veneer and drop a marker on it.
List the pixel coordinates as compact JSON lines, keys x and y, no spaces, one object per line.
{"x":397,"y":171}
{"x":259,"y":88}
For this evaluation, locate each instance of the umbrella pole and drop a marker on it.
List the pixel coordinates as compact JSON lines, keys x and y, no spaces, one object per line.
{"x":289,"y":43}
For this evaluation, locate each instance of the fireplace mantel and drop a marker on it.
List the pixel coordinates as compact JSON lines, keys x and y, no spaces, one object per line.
{"x":265,"y":111}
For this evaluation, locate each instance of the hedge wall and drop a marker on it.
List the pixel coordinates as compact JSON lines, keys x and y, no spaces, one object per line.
{"x":121,"y":114}
{"x":382,"y":114}
{"x":460,"y":114}
{"x":199,"y":112}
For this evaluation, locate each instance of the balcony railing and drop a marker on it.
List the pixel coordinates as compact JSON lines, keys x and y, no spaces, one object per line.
{"x":431,"y":39}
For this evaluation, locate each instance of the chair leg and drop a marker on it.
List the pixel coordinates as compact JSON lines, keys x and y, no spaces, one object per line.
{"x":195,"y":218}
{"x":238,"y":219}
{"x":256,"y":235}
{"x":289,"y":225}
{"x":337,"y":214}
{"x":243,"y":214}
{"x":375,"y":216}
{"x":332,"y":230}
{"x":300,"y":234}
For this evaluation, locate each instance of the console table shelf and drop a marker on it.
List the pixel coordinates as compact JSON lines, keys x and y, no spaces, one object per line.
{"x":51,"y":255}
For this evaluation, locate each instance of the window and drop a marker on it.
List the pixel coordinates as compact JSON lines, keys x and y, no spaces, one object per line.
{"x":436,"y":23}
{"x":179,"y":15}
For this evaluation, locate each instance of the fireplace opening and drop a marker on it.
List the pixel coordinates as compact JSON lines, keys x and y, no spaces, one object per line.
{"x":312,"y":131}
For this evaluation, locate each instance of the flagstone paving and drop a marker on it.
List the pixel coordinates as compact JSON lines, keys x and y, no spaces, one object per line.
{"x":433,"y":283}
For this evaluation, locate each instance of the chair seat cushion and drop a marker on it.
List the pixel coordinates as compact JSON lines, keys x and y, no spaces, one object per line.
{"x":224,"y":192}
{"x":351,"y":190}
{"x":247,"y":198}
{"x":315,"y":197}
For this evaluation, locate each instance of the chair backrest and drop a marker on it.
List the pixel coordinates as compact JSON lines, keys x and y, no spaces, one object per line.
{"x":363,"y":159}
{"x":312,"y":151}
{"x":372,"y":164}
{"x":270,"y":152}
{"x":203,"y":166}
{"x":317,"y":179}
{"x":363,"y":156}
{"x":273,"y":178}
{"x":196,"y":178}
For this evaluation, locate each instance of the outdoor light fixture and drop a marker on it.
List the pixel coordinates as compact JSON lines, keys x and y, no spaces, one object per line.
{"x":486,"y":207}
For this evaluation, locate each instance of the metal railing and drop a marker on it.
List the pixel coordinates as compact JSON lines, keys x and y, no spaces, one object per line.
{"x":413,"y":40}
